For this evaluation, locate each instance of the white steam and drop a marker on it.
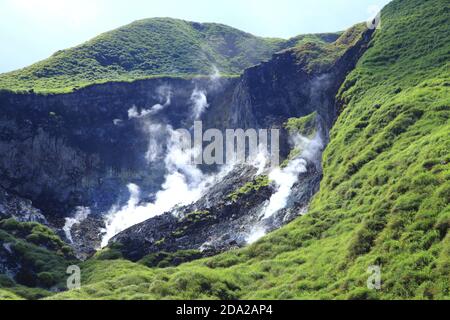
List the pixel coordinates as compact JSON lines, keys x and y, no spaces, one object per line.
{"x":156,"y":132}
{"x":256,"y":233}
{"x":214,"y":79}
{"x":285,"y":178}
{"x":81,"y":214}
{"x":184,"y":182}
{"x":215,"y":75}
{"x":199,"y":103}
{"x":164,"y":93}
{"x":117,"y":122}
{"x":261,"y":160}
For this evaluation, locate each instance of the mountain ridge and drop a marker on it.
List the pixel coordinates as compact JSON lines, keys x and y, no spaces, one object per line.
{"x":151,"y":47}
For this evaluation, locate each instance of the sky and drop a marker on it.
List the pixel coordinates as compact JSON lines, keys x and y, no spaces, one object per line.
{"x":32,"y":30}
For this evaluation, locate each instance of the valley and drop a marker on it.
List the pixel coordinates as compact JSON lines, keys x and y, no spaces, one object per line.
{"x":91,"y":173}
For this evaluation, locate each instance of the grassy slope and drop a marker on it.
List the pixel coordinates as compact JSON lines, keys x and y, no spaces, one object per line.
{"x":384,"y":199}
{"x":7,"y":295}
{"x":319,"y":56}
{"x":42,"y":258}
{"x":151,"y":47}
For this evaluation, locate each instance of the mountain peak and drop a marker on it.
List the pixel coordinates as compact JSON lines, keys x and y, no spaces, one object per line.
{"x":148,"y":48}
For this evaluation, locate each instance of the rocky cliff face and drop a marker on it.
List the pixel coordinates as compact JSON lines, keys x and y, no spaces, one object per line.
{"x":22,"y":210}
{"x":66,"y":152}
{"x":80,"y":149}
{"x":266,"y":96}
{"x":286,"y":87}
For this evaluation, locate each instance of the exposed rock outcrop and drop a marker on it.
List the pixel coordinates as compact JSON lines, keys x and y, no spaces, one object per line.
{"x":80,"y":149}
{"x":266,"y":96}
{"x":217,"y":222}
{"x":84,"y":148}
{"x":12,"y":206}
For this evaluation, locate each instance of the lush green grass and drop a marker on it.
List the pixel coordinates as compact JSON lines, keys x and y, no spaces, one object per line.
{"x":306,"y":126}
{"x":7,"y":295}
{"x":167,"y":259}
{"x":384,"y":199}
{"x":319,"y":56}
{"x":148,"y":48}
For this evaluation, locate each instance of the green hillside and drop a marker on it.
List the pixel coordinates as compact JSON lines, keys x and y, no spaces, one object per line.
{"x":148,"y":48}
{"x":384,"y":199}
{"x":41,"y":256}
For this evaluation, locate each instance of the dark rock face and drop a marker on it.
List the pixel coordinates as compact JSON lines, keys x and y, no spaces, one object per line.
{"x":266,"y":97}
{"x":80,"y":149}
{"x":86,"y":236}
{"x":191,"y":227}
{"x":280,"y":88}
{"x":12,"y":206}
{"x":216,"y":223}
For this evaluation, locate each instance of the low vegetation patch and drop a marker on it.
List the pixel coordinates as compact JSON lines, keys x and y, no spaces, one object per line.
{"x":255,"y":185}
{"x":39,"y":259}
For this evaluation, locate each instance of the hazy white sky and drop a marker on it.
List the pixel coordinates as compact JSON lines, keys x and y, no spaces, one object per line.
{"x":31,"y":30}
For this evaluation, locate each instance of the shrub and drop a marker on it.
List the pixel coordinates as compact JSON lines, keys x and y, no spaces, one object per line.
{"x":362,"y":294}
{"x":166,"y":259}
{"x":256,"y":185}
{"x":47,"y":279}
{"x":6,"y":282}
{"x":306,"y":126}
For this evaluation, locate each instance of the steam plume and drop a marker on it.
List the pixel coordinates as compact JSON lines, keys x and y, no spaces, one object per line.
{"x":285,"y":178}
{"x":81,"y":214}
{"x":199,"y":103}
{"x":184,"y":182}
